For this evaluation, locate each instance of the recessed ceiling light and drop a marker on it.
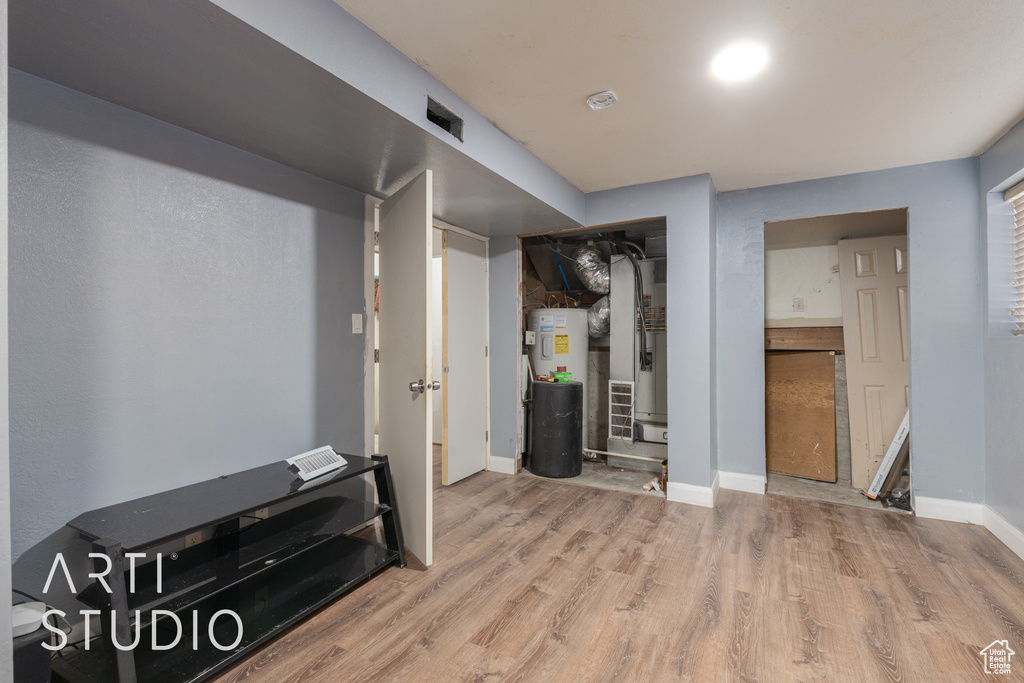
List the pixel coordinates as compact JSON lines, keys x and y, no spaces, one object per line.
{"x":601,"y":100}
{"x":740,"y":61}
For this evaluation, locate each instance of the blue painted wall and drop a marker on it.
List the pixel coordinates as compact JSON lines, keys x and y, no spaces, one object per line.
{"x":504,"y":345}
{"x":179,"y":309}
{"x":946,"y":319}
{"x":6,"y":657}
{"x":712,"y":257}
{"x":688,"y":205}
{"x":1001,"y":167}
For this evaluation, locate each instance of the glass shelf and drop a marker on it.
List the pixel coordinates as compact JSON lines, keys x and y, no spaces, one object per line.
{"x":149,"y":521}
{"x":266,"y":602}
{"x":270,"y":572}
{"x":266,"y":544}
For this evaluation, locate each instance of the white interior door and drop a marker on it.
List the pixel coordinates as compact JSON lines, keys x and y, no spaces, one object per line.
{"x":437,"y":312}
{"x":405,"y":357}
{"x":464,"y":418}
{"x":873,"y":276}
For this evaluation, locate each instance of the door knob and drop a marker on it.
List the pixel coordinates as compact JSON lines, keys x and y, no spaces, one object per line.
{"x":435,"y":385}
{"x":416,"y":386}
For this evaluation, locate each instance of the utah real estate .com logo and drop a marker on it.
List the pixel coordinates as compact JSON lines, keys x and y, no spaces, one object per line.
{"x":997,"y":657}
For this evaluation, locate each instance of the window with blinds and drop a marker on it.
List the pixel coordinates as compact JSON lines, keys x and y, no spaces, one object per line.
{"x":1015,"y":195}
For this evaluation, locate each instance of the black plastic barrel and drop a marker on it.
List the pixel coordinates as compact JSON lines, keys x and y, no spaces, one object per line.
{"x":556,"y":429}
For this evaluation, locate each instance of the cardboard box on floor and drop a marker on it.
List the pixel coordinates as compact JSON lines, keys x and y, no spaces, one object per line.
{"x":899,"y":450}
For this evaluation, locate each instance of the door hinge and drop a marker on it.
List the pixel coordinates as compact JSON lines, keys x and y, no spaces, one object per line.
{"x":376,"y":355}
{"x":487,"y":436}
{"x":486,"y":351}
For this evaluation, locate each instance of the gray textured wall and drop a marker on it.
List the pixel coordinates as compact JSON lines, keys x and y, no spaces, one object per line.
{"x":1002,"y":166}
{"x":946,"y":324}
{"x":688,"y":205}
{"x":178,"y":309}
{"x":504,"y":345}
{"x":5,"y":488}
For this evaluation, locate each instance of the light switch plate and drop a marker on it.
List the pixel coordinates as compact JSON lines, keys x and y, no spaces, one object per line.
{"x":357,"y":323}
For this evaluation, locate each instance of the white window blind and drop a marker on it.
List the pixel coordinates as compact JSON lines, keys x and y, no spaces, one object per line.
{"x":1015,"y":195}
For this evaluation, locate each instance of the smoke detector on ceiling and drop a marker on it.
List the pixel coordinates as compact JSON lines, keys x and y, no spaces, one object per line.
{"x":601,"y":100}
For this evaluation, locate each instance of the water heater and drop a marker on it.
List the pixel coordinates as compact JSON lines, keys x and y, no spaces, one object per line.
{"x":562,"y":339}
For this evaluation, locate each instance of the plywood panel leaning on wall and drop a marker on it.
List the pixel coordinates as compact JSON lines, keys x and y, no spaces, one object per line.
{"x":800,"y":418}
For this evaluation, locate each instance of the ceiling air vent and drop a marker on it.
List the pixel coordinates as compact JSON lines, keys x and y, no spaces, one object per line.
{"x":445,"y":118}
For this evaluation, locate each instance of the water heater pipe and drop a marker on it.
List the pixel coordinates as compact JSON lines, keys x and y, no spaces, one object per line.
{"x":623,"y":455}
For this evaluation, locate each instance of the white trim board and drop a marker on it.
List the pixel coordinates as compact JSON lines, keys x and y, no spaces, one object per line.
{"x":1010,"y":535}
{"x":441,"y":225}
{"x":693,"y":495}
{"x":948,"y":510}
{"x":741,"y":481}
{"x":972,"y":513}
{"x":501,"y":465}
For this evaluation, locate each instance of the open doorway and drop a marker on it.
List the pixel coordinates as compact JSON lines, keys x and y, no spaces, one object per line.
{"x":459,"y":351}
{"x":399,"y":235}
{"x":593,"y":306}
{"x":836,"y":354}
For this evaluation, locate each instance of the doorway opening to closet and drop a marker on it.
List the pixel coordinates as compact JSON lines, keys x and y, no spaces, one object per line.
{"x":836,"y":355}
{"x":593,"y":313}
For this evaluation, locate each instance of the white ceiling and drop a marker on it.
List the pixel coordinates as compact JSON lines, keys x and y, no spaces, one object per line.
{"x":850,"y":86}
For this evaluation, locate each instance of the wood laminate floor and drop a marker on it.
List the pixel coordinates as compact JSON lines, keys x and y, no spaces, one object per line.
{"x":537,"y":580}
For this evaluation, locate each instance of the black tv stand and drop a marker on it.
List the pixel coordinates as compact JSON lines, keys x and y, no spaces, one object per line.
{"x":273,"y":549}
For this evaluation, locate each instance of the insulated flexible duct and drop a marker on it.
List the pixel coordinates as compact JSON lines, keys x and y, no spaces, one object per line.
{"x":599,"y":318}
{"x":591,"y":270}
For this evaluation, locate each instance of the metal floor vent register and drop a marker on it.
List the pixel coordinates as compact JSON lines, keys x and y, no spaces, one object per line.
{"x":620,"y":410}
{"x":315,"y":463}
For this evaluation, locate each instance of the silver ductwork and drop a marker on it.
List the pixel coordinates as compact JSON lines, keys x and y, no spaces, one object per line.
{"x":599,"y":318}
{"x":592,"y":270}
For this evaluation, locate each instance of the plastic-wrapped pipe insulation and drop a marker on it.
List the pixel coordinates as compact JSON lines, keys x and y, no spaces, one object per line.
{"x":591,"y":270}
{"x":599,"y":318}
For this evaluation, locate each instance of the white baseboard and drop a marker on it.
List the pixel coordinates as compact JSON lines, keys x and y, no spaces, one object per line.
{"x":972,"y":513}
{"x":502,"y":465}
{"x":949,"y":510}
{"x":693,"y":495}
{"x":740,"y":481}
{"x":1010,"y":535}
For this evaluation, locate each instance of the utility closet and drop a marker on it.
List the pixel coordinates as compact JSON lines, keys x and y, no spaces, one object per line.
{"x":593,"y":303}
